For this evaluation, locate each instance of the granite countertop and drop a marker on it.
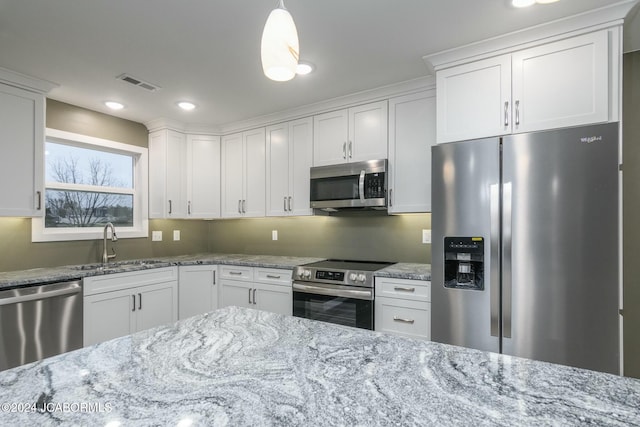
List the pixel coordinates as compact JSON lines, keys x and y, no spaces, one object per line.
{"x":69,"y":272}
{"x":404,"y":270}
{"x":237,"y":366}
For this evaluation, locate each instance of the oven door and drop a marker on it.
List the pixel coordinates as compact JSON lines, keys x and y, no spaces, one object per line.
{"x":344,"y":305}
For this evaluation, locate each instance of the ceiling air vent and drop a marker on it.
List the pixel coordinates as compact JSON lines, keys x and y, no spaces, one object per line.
{"x":137,"y":82}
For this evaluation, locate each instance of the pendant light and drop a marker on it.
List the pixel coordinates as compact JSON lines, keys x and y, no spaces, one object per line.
{"x":279,"y":48}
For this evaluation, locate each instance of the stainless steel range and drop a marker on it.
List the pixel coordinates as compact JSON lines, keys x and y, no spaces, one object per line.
{"x":336,"y":291}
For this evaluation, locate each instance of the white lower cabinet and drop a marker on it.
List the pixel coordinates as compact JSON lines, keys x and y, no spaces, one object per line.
{"x":403,"y":307}
{"x":265,"y":289}
{"x":197,"y":290}
{"x":120,"y":304}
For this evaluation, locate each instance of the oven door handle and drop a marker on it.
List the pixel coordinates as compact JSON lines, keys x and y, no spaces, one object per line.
{"x":333,"y":292}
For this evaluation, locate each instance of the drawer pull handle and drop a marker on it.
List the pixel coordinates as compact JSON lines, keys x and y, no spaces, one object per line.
{"x":400,"y":319}
{"x":236,"y":273}
{"x":272,"y":276}
{"x":402,"y":288}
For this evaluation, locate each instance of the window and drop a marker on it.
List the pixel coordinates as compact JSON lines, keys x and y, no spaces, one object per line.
{"x":90,"y":182}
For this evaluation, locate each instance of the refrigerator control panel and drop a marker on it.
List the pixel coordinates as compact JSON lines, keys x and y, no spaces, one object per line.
{"x":464,"y":263}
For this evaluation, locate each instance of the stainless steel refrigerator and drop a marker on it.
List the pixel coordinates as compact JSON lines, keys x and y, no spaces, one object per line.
{"x":525,"y":245}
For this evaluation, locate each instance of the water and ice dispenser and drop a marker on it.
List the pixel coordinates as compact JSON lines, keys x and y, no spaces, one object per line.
{"x":464,"y":263}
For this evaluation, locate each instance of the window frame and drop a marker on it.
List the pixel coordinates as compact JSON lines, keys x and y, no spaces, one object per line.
{"x":140,"y":228}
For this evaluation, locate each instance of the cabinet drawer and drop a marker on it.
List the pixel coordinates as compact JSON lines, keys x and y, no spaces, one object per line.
{"x":236,"y":272}
{"x":414,"y":290}
{"x":117,"y":281}
{"x":402,"y":317}
{"x":274,"y":276}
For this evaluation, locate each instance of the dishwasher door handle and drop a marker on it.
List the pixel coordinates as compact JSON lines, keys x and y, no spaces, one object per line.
{"x":10,"y":297}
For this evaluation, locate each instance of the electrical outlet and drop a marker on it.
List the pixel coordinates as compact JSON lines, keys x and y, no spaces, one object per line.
{"x":156,"y":236}
{"x":274,"y":235}
{"x":176,"y":234}
{"x":426,"y":236}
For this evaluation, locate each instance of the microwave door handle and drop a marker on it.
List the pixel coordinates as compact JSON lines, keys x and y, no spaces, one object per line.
{"x":361,"y":185}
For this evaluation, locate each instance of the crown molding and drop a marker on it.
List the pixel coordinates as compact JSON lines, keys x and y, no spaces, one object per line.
{"x":593,"y":20}
{"x":380,"y":93}
{"x":372,"y":95}
{"x":22,"y":81}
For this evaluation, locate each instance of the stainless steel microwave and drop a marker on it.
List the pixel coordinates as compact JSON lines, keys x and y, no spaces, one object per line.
{"x":349,"y":185}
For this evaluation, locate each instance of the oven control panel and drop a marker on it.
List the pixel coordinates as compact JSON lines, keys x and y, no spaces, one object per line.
{"x":338,"y":277}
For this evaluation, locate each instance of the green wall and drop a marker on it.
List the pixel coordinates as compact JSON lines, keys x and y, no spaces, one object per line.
{"x":631,"y":212}
{"x":380,"y":238}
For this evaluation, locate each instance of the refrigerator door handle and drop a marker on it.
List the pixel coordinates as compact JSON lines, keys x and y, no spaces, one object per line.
{"x":494,"y":239}
{"x":506,"y":259}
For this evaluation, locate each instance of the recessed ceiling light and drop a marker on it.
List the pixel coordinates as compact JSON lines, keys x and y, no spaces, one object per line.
{"x":186,"y":106}
{"x":304,"y":68}
{"x":527,"y":3}
{"x":114,"y":105}
{"x":523,"y":3}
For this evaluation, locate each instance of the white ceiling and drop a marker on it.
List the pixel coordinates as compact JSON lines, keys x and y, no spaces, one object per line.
{"x":208,"y":51}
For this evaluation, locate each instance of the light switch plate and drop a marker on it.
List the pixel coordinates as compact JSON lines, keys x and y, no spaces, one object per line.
{"x":274,"y":235}
{"x":156,"y":236}
{"x":176,"y":234}
{"x":426,"y":236}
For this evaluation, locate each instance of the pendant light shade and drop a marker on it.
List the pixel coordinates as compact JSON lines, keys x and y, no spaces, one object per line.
{"x":279,"y":48}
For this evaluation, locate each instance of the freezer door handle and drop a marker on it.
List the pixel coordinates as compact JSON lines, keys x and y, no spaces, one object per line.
{"x":506,"y":259}
{"x":494,"y":267}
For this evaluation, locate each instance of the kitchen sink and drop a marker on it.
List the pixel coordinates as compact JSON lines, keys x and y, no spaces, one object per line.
{"x":114,"y":266}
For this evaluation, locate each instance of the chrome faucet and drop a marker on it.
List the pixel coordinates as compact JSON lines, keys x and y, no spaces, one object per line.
{"x":106,"y":257}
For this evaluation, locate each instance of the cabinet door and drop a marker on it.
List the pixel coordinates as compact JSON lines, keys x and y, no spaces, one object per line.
{"x":255,"y":173}
{"x":176,"y":178}
{"x":167,"y":182}
{"x":239,"y":294}
{"x":330,"y":133}
{"x":203,"y":176}
{"x":561,"y":84}
{"x":474,"y":100}
{"x":21,"y":152}
{"x":274,"y":298}
{"x":232,"y":175}
{"x":412,"y":132}
{"x":368,"y":132}
{"x":108,"y":315}
{"x":197,"y":290}
{"x":156,"y":305}
{"x":278,"y":169}
{"x":158,"y":174}
{"x":301,"y":160}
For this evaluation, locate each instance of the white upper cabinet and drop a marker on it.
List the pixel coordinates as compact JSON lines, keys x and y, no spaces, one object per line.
{"x":355,"y":134}
{"x":289,"y":158}
{"x":412,"y":132}
{"x":561,"y":84}
{"x":203,"y":176}
{"x":21,"y":152}
{"x":558,"y":84}
{"x":368,"y":132}
{"x":243,"y":174}
{"x":474,"y":100}
{"x":184,"y":175}
{"x":167,"y":180}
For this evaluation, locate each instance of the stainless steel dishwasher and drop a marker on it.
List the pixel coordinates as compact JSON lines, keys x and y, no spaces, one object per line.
{"x":39,"y":321}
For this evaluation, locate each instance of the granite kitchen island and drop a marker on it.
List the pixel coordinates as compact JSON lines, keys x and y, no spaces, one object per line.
{"x":244,"y":367}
